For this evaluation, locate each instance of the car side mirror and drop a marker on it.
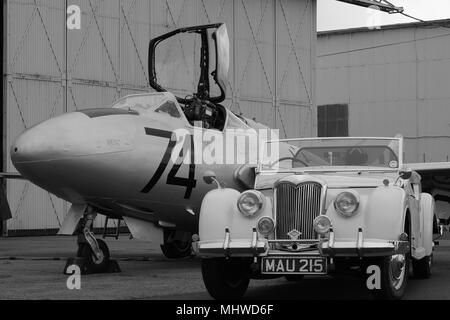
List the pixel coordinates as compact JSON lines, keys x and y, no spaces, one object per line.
{"x":405,"y":174}
{"x":209,"y":177}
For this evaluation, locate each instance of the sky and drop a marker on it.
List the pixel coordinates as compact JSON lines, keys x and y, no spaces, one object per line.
{"x":332,"y":14}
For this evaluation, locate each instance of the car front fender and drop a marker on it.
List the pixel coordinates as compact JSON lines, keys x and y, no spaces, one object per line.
{"x":219,"y":211}
{"x":381,"y":215}
{"x":386,"y":213}
{"x":428,"y":212}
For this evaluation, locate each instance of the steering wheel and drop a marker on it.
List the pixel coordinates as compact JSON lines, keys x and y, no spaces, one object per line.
{"x":289,"y":158}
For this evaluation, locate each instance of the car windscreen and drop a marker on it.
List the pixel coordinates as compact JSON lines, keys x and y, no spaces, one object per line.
{"x":333,"y":153}
{"x":373,"y":156}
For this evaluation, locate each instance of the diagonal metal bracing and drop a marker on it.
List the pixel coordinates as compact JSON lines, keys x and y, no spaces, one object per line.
{"x":135,"y":46}
{"x":19,"y":108}
{"x":54,"y":208}
{"x":132,"y":6}
{"x":84,"y":40}
{"x":48,"y":38}
{"x":23,"y":39}
{"x":103,"y":41}
{"x":176,"y":25}
{"x":255,"y":46}
{"x":206,"y":11}
{"x":255,"y":42}
{"x":293,"y":51}
{"x":58,"y":96}
{"x":21,"y":200}
{"x":73,"y":98}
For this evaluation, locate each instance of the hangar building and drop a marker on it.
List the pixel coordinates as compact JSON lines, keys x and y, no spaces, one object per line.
{"x":395,"y":80}
{"x":49,"y":70}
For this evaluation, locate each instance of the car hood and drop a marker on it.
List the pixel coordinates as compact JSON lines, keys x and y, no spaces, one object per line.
{"x":332,"y":180}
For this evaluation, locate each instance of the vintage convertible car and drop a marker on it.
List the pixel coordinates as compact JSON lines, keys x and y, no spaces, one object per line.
{"x":326,"y":205}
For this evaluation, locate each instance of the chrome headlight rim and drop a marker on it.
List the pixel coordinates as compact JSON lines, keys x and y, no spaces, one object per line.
{"x":347,"y":213}
{"x":260,"y":221}
{"x":260,"y":204}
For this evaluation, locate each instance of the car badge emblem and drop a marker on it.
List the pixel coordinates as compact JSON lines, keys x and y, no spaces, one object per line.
{"x":294,"y":234}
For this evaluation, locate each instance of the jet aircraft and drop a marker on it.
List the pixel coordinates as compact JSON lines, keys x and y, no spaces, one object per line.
{"x":118,"y":161}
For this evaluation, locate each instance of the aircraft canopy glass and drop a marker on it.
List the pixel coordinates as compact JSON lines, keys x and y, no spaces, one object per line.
{"x":149,"y":103}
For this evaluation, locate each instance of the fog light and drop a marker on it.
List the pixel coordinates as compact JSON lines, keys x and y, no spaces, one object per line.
{"x":322,"y":224}
{"x":266,"y":226}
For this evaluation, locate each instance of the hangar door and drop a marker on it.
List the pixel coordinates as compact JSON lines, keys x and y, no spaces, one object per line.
{"x":51,"y":70}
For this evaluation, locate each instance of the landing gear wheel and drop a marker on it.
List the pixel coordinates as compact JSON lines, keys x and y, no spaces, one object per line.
{"x":175,"y":249}
{"x":85,"y":251}
{"x":394,"y":276}
{"x":422,"y":267}
{"x":226,"y":279}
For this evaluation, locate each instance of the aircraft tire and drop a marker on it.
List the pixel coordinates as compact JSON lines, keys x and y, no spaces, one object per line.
{"x":95,"y":265}
{"x":176,"y":249}
{"x":225,"y":279}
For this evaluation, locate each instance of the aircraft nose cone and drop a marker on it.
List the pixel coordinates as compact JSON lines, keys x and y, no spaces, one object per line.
{"x":43,"y":141}
{"x":75,"y":152}
{"x":29,"y":146}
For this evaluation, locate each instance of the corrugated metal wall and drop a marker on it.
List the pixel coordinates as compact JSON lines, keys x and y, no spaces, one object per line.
{"x":395,"y":80}
{"x":51,"y":70}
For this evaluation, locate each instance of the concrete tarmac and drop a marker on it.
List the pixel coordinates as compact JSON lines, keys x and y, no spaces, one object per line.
{"x":32,"y":268}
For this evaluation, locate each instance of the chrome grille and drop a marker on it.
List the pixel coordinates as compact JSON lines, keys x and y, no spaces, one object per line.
{"x":296,"y":208}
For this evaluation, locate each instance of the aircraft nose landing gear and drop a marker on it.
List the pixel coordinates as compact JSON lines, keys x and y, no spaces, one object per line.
{"x":93,"y":254}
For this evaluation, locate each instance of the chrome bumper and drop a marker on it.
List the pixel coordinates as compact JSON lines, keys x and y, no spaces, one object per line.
{"x":361,"y":248}
{"x":253,"y":247}
{"x":325,"y":247}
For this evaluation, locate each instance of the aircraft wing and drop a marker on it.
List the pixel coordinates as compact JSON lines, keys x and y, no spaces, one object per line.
{"x":11,"y":175}
{"x":436,"y":181}
{"x":435,"y":175}
{"x":5,"y":210}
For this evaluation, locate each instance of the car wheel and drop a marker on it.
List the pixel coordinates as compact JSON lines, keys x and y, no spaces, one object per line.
{"x":96,"y":265}
{"x":226,"y":279}
{"x":422,"y":267}
{"x":393,"y":278}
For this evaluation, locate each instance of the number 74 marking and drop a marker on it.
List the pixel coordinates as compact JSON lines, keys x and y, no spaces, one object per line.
{"x":190,"y":182}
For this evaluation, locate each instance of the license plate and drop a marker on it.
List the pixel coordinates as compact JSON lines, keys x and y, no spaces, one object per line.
{"x":294,"y":265}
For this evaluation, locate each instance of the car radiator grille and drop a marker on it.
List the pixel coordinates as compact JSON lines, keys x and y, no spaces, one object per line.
{"x":296,"y":208}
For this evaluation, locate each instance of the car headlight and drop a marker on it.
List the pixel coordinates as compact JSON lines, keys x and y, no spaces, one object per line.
{"x":346,"y":203}
{"x":322,"y":224}
{"x":250,"y":203}
{"x":266,"y":226}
